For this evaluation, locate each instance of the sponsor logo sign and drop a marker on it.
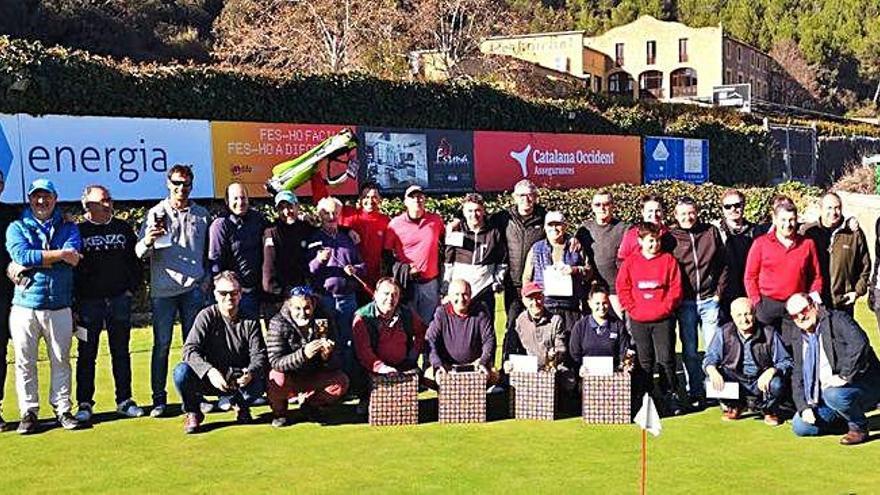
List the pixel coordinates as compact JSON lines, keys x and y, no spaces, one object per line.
{"x":676,"y":158}
{"x":10,"y":166}
{"x":130,"y":156}
{"x":246,"y":152}
{"x":554,"y":160}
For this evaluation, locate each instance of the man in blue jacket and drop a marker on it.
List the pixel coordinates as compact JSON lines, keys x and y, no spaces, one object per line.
{"x":46,"y":248}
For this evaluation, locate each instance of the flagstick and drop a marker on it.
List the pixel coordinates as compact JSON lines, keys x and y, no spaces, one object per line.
{"x":644,"y":460}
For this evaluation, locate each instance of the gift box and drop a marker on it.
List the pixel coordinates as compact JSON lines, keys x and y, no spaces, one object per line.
{"x":533,"y":395}
{"x":607,"y":399}
{"x":462,"y":397}
{"x":394,"y":399}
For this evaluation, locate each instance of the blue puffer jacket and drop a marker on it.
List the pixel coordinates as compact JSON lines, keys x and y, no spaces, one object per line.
{"x":26,"y":239}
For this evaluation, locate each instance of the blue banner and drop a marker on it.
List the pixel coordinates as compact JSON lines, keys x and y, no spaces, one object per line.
{"x":676,"y":159}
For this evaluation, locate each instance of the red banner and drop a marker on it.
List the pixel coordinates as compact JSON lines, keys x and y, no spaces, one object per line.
{"x":563,"y":161}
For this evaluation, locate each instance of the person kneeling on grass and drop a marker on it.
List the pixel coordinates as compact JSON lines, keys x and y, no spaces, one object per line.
{"x":752,"y":355}
{"x":836,"y":377}
{"x":650,"y":290}
{"x":304,"y":358}
{"x":461,"y":334}
{"x":388,"y":337}
{"x":223,"y":354}
{"x":539,"y":333}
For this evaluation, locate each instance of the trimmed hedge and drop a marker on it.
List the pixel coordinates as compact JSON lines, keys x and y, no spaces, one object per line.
{"x":38,"y":80}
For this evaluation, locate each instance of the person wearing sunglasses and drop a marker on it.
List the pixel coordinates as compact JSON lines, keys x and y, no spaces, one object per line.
{"x":105,"y":281}
{"x":737,"y":234}
{"x":601,"y":237}
{"x":304,"y":358}
{"x":836,"y":376}
{"x":174,"y":237}
{"x":224,"y":354}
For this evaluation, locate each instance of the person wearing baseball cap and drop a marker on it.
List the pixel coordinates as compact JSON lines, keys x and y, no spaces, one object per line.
{"x":285,"y":261}
{"x":555,"y":258}
{"x":47,"y":247}
{"x":536,"y":331}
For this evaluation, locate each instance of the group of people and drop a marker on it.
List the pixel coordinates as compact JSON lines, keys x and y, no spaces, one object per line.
{"x":361,"y":294}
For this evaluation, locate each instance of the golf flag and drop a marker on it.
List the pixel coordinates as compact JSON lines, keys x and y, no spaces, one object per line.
{"x":647,"y":417}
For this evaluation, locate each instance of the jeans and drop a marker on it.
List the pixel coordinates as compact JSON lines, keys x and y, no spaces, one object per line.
{"x":193,"y":389}
{"x":841,"y":407}
{"x":655,"y":343}
{"x":748,"y":386}
{"x":114,"y":314}
{"x":704,"y":313}
{"x":187,"y":306}
{"x":342,"y":308}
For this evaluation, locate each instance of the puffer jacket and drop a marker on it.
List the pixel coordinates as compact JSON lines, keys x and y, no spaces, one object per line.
{"x":519,"y":234}
{"x":285,"y":343}
{"x":49,"y":287}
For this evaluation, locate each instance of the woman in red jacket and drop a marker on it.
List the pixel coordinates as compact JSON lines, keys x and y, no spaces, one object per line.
{"x":649,"y":287}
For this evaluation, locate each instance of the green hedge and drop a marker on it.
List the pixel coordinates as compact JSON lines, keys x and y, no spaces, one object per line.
{"x":38,"y":80}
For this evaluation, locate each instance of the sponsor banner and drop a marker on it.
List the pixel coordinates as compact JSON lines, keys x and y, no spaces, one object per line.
{"x":10,"y":160}
{"x":438,"y":160}
{"x":246,"y":152}
{"x":562,"y":161}
{"x":677,"y":159}
{"x":130,"y":156}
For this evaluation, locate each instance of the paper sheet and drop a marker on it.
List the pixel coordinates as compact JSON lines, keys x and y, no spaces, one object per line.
{"x":527,"y":364}
{"x":598,"y":366}
{"x":557,"y":284}
{"x":730,"y":391}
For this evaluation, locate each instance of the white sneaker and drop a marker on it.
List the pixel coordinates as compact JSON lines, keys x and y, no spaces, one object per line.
{"x":84,"y":414}
{"x":206,"y":407}
{"x":158,"y":411}
{"x":224,"y":403}
{"x":129,"y":409}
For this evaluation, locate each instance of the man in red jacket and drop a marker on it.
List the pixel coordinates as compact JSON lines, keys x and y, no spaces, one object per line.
{"x":650,"y":290}
{"x":781,"y":263}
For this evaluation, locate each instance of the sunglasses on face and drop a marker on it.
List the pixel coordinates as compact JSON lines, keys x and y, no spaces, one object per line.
{"x":800,"y":314}
{"x":180,"y":183}
{"x":601,"y":205}
{"x":301,"y":291}
{"x":226,"y":293}
{"x":731,"y":206}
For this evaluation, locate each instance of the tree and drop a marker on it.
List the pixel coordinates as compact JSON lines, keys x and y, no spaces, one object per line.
{"x":794,"y":80}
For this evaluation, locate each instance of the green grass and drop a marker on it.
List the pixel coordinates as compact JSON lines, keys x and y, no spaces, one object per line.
{"x":695,"y":454}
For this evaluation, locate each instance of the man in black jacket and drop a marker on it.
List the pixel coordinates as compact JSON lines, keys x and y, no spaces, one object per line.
{"x":836,"y":376}
{"x":737,"y":234}
{"x":105,"y":280}
{"x":304,"y":359}
{"x":700,"y":253}
{"x":224,"y":354}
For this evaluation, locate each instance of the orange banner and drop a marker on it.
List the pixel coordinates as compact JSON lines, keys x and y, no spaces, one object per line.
{"x":246,"y":152}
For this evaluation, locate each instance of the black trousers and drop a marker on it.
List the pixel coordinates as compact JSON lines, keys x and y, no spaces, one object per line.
{"x":655,"y":344}
{"x":770,"y":312}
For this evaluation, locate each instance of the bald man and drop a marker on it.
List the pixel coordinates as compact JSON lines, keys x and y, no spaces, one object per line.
{"x":752,"y":355}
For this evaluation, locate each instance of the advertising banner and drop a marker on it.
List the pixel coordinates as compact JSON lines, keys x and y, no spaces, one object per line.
{"x":246,"y":152}
{"x":10,"y":160}
{"x":554,"y":160}
{"x":438,"y":160}
{"x":677,"y":159}
{"x":130,"y":156}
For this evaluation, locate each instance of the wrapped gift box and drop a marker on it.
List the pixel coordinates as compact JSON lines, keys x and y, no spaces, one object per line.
{"x":394,"y":399}
{"x":462,"y":397}
{"x":607,"y":399}
{"x":533,"y":395}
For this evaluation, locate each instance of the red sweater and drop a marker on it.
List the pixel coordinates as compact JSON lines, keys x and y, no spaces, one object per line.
{"x":391,"y":346}
{"x":649,"y":289}
{"x":629,"y":245}
{"x":775,"y":271}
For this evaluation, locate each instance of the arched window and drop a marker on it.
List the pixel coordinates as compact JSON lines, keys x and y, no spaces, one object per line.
{"x":651,"y":84}
{"x":683,"y":82}
{"x":620,"y":84}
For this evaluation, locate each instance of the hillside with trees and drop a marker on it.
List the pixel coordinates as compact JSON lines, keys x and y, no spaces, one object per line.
{"x":831,"y":47}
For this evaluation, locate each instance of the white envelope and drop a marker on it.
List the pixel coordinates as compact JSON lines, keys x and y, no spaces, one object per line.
{"x":527,"y":364}
{"x":455,"y":238}
{"x":557,"y":284}
{"x":729,"y":391}
{"x":598,"y":366}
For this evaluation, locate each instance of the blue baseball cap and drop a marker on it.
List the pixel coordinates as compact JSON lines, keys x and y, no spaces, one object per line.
{"x":42,"y":185}
{"x":286,"y":196}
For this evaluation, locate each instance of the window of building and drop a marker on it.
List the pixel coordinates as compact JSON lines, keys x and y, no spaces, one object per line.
{"x":739,"y":54}
{"x":620,"y":83}
{"x":683,"y":83}
{"x":598,"y":83}
{"x":682,"y":49}
{"x":739,"y":78}
{"x":652,"y":52}
{"x":728,"y":76}
{"x":651,"y":84}
{"x":618,"y":54}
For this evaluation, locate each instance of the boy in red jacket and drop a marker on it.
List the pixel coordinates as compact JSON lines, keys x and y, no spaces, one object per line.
{"x":649,"y":287}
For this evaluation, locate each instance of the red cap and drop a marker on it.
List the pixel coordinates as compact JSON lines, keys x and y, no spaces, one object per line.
{"x":531,"y":288}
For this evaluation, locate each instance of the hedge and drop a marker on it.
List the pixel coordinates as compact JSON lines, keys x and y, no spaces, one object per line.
{"x":38,"y":80}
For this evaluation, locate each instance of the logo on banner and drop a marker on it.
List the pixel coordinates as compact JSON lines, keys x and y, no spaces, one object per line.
{"x":661,"y":154}
{"x":5,"y":153}
{"x":522,"y":157}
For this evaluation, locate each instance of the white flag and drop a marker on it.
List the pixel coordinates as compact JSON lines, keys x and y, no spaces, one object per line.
{"x":647,"y":417}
